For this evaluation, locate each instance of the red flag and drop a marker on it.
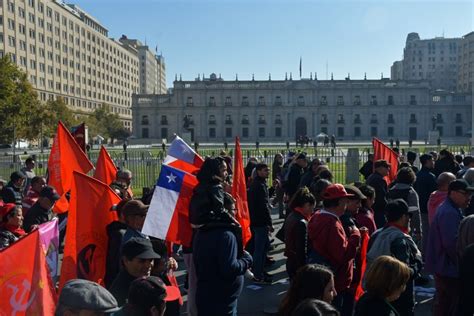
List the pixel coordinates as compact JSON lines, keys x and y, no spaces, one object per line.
{"x":382,"y":151}
{"x":239,"y":192}
{"x":79,"y":134}
{"x":363,"y":262}
{"x":86,"y":241}
{"x":25,"y":285}
{"x":105,"y":169}
{"x":66,"y":157}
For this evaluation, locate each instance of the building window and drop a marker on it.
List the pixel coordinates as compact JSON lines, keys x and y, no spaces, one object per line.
{"x":357,"y":131}
{"x":212,"y":119}
{"x":245,"y":101}
{"x":357,"y":119}
{"x":189,"y":101}
{"x":458,"y":118}
{"x":459,"y":131}
{"x":228,"y":119}
{"x":357,"y":100}
{"x":245,"y":132}
{"x":373,"y":119}
{"x":324,"y":119}
{"x":440,"y":130}
{"x":228,"y":101}
{"x":212,"y":132}
{"x":145,"y":132}
{"x":390,"y":100}
{"x":340,"y":132}
{"x":145,"y":120}
{"x":261,"y":101}
{"x":390,"y":131}
{"x":261,"y":132}
{"x":164,"y":133}
{"x":413,"y":118}
{"x":340,"y":100}
{"x":373,"y":100}
{"x":278,"y":100}
{"x":278,"y":119}
{"x":245,"y":119}
{"x":277,"y":131}
{"x":413,"y":100}
{"x":439,"y":118}
{"x":261,"y":119}
{"x":212,"y":101}
{"x":228,"y":132}
{"x":324,"y":100}
{"x":164,"y":120}
{"x":390,"y":119}
{"x":373,"y":131}
{"x":300,"y":100}
{"x":340,"y":118}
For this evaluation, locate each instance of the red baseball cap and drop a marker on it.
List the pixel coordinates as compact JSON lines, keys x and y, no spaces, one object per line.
{"x":6,"y":209}
{"x":335,"y":191}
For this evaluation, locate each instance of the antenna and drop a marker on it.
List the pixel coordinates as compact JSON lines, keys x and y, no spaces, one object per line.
{"x":326,"y":70}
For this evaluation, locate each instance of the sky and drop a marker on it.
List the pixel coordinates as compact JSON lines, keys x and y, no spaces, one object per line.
{"x":263,"y":37}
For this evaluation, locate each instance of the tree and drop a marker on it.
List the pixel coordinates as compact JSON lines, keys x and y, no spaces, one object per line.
{"x":107,"y":124}
{"x":19,"y":103}
{"x":55,"y":111}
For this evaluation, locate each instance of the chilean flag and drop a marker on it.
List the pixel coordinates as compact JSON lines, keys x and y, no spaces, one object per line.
{"x":183,"y":157}
{"x":167,"y":216}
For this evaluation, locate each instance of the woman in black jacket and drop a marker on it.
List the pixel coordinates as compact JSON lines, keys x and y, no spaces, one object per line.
{"x":385,"y":280}
{"x":296,"y":232}
{"x":11,"y":225}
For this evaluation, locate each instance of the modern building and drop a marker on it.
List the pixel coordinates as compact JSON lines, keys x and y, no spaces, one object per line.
{"x":434,"y":60}
{"x":466,"y":63}
{"x":215,"y":110}
{"x":152,"y":67}
{"x":67,"y":53}
{"x":396,"y":71}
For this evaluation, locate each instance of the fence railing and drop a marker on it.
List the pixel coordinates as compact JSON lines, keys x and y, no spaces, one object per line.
{"x":145,"y":164}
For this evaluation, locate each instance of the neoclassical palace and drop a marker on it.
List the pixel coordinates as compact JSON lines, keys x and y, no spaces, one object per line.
{"x":216,"y":110}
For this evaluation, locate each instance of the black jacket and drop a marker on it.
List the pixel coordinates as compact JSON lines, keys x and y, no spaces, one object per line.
{"x":307,"y":179}
{"x":115,"y":232}
{"x":259,"y":203}
{"x":219,"y":270}
{"x":11,"y":194}
{"x":376,"y":181}
{"x":36,"y":215}
{"x":371,"y":305}
{"x":424,"y":185}
{"x":296,"y":242}
{"x":367,"y":169}
{"x":6,"y":238}
{"x":207,"y":204}
{"x":120,"y":286}
{"x":294,"y":178}
{"x":446,"y":165}
{"x":466,"y":277}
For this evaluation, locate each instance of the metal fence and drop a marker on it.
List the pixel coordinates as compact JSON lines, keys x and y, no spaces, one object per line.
{"x":145,"y":164}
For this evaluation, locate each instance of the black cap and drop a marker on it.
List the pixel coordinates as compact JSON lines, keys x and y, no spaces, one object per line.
{"x":460,"y":185}
{"x":381,"y":163}
{"x":17,"y":175}
{"x":301,"y":156}
{"x":149,"y":290}
{"x":50,"y":193}
{"x":88,"y":295}
{"x":354,"y":190}
{"x":141,"y":248}
{"x":396,"y":208}
{"x":411,"y":155}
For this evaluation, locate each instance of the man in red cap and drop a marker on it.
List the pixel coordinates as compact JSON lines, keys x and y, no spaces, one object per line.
{"x":329,"y":243}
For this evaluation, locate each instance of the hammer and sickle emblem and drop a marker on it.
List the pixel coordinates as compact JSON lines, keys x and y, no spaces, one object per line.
{"x":17,"y":304}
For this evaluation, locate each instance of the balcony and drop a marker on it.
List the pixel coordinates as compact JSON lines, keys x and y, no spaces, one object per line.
{"x":262,"y":122}
{"x":228,"y":103}
{"x":373,"y":102}
{"x":357,"y":102}
{"x":189,"y":104}
{"x":278,"y":103}
{"x":300,"y":103}
{"x":245,"y":103}
{"x":357,"y":121}
{"x":458,"y":120}
{"x":211,"y":103}
{"x":341,"y":121}
{"x":164,"y":122}
{"x":413,"y":102}
{"x":390,"y":120}
{"x":374,"y":121}
{"x":339,"y":102}
{"x":413,"y":120}
{"x":324,"y":121}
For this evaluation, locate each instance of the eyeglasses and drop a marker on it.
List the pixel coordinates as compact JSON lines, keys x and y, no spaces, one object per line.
{"x":465,"y":193}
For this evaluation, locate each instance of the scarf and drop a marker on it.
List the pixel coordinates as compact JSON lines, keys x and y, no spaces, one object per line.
{"x":403,"y":229}
{"x":15,"y":230}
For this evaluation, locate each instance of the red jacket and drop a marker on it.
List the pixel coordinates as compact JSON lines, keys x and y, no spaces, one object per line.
{"x":327,"y":237}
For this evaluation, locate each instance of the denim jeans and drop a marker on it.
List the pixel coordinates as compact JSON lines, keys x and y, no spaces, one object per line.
{"x":261,"y":246}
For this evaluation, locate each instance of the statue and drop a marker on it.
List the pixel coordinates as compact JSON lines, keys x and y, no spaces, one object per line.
{"x":433,"y":121}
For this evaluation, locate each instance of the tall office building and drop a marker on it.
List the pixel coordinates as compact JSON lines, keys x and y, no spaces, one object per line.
{"x":434,"y":60}
{"x":67,"y":53}
{"x":466,"y":63}
{"x":152,"y":73}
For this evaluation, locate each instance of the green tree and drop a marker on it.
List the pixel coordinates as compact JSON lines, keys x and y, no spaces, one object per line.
{"x":55,"y":111}
{"x":19,"y":103}
{"x":107,"y":124}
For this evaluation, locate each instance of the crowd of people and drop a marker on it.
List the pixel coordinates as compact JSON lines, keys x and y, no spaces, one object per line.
{"x":418,"y":226}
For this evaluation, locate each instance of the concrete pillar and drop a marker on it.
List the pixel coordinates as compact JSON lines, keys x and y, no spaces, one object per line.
{"x":352,"y":165}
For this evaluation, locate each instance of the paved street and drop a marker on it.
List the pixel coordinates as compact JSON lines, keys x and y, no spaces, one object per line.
{"x":264,"y":300}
